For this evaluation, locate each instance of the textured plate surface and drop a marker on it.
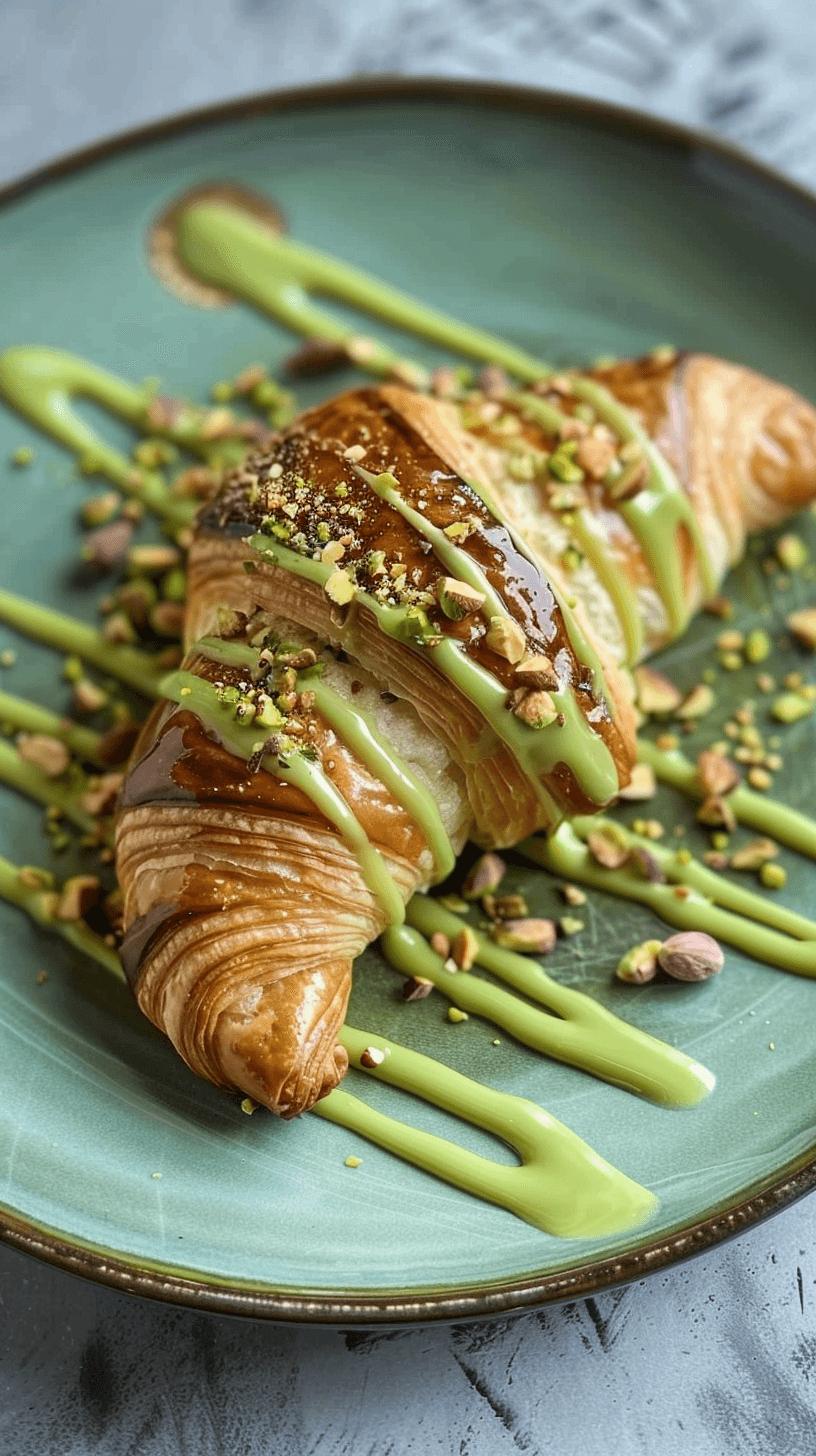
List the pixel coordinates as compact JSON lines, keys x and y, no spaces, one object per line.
{"x":573,"y":232}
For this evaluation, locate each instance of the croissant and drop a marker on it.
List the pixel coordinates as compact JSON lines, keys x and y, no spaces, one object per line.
{"x":403,"y":630}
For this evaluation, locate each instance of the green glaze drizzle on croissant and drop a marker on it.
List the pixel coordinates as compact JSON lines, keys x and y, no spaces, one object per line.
{"x":448,"y":588}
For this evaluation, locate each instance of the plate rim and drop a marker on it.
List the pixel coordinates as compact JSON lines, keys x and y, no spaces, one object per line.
{"x":219,"y":1295}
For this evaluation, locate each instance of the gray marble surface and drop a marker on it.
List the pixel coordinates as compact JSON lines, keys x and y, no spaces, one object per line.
{"x":716,"y":1358}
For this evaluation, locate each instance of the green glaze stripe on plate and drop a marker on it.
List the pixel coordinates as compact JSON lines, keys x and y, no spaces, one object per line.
{"x":522,"y":252}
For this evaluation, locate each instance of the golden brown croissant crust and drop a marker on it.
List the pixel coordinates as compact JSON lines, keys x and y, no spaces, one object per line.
{"x":245,"y":907}
{"x":317,"y":489}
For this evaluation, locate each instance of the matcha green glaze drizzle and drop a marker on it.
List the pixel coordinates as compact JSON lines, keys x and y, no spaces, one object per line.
{"x":593,"y":765}
{"x":41,"y":383}
{"x":21,"y":716}
{"x":561,"y":1186}
{"x":37,"y":785}
{"x":536,"y":750}
{"x":614,"y":581}
{"x":292,"y":768}
{"x":655,"y":513}
{"x":132,"y":666}
{"x":754,"y":923}
{"x":580,"y":1032}
{"x":231,"y":250}
{"x":360,"y":733}
{"x":788,"y":825}
{"x":41,"y":904}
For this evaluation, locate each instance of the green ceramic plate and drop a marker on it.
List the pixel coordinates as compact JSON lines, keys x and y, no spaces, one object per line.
{"x":573,"y":230}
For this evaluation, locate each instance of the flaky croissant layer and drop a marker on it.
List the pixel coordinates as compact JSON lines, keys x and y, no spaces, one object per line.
{"x":405,"y":626}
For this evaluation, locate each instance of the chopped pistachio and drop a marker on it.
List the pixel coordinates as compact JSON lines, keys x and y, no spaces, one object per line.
{"x":639,"y":964}
{"x":537,"y":672}
{"x":455,"y":1015}
{"x":568,"y":925}
{"x":721,"y":607}
{"x":754,"y":854}
{"x":152,"y":560}
{"x":485,"y":876}
{"x":757,"y":645}
{"x":107,"y":546}
{"x":791,"y":552}
{"x":730,"y":661}
{"x":88,"y":697}
{"x":716,"y":774}
{"x":715,"y":810}
{"x":510,"y":907}
{"x":655,"y":693}
{"x":371,"y":1057}
{"x":803,"y":626}
{"x":416,"y":988}
{"x":42,"y":751}
{"x":731,"y":641}
{"x":563,"y":467}
{"x":536,"y":708}
{"x":457,"y":598}
{"x":573,"y":895}
{"x":759,"y":778}
{"x":119,"y":630}
{"x":773,"y":876}
{"x":352,"y":1161}
{"x":609,"y":847}
{"x":642,"y":784}
{"x":458,"y":530}
{"x":505,"y":637}
{"x":98,"y":510}
{"x":699,"y":702}
{"x":22,"y":456}
{"x":630,"y":481}
{"x":667,"y":741}
{"x":595,"y":456}
{"x":647,"y":865}
{"x":649,"y":828}
{"x":530,"y":936}
{"x":339,"y":587}
{"x":465,"y":948}
{"x":266,"y":714}
{"x":790,"y":707}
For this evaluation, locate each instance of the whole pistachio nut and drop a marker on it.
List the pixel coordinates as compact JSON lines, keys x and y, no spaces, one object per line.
{"x":691,"y":956}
